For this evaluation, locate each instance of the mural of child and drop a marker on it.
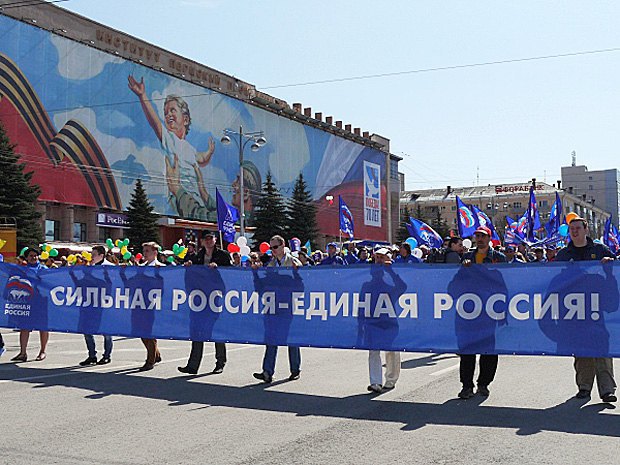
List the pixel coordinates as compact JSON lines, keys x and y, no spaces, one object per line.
{"x":180,"y":154}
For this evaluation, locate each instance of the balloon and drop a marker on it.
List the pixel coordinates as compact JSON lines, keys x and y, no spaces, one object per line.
{"x":264,"y":247}
{"x":126,"y":242}
{"x":417,"y":253}
{"x":175,"y":249}
{"x":2,"y":243}
{"x":183,"y":254}
{"x":245,"y":250}
{"x":571,"y":216}
{"x":232,"y":248}
{"x":139,"y":256}
{"x":53,"y":253}
{"x":241,"y":241}
{"x":170,"y":259}
{"x":23,"y":251}
{"x":118,"y":243}
{"x":123,"y":250}
{"x":71,"y":259}
{"x":87,"y":256}
{"x":467,"y":243}
{"x":45,"y":255}
{"x":412,"y":241}
{"x":244,"y":258}
{"x":109,"y":243}
{"x":127,"y":255}
{"x":268,"y":252}
{"x":563,"y":230}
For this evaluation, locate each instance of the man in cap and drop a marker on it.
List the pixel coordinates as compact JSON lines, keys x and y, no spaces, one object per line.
{"x":581,"y":248}
{"x":511,"y":254}
{"x":482,"y":254}
{"x":332,"y":255}
{"x":550,"y":252}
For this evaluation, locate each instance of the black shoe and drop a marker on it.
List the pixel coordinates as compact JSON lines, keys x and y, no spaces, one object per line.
{"x":294,"y":376}
{"x":466,"y":393}
{"x":218,"y":370}
{"x":88,"y":361}
{"x":158,"y":359}
{"x":104,"y":361}
{"x":609,"y":398}
{"x":263,"y":377}
{"x":583,"y":394}
{"x":483,"y":390}
{"x":188,"y":370}
{"x":147,"y":367}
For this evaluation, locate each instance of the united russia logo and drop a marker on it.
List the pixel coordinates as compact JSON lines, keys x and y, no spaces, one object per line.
{"x":467,"y":219}
{"x":18,"y":293}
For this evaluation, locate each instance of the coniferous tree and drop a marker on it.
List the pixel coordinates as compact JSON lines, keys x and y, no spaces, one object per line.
{"x":301,"y":213}
{"x":142,"y":220}
{"x":18,"y":197}
{"x":269,"y":213}
{"x":403,"y":233}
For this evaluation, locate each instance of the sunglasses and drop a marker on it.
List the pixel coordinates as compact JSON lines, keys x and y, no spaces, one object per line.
{"x":274,"y":247}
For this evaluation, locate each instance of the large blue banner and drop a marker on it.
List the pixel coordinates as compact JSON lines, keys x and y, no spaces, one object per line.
{"x":559,"y":308}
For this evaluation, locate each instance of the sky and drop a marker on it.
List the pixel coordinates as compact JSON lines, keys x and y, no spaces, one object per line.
{"x":505,"y":123}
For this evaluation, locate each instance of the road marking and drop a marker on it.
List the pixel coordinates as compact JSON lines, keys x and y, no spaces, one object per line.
{"x":445,"y":370}
{"x":103,"y":368}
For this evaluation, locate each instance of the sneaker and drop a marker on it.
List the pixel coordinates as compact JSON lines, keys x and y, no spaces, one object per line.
{"x":218,"y":370}
{"x":609,"y":398}
{"x":188,"y":370}
{"x":263,"y":377}
{"x":466,"y":393}
{"x":375,"y":388}
{"x":483,"y":390}
{"x":2,"y":350}
{"x":389,"y":385}
{"x":294,"y":376}
{"x":88,"y":361}
{"x":583,"y":394}
{"x":104,"y":361}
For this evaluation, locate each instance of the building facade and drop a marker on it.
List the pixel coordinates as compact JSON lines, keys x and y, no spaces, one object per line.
{"x":601,"y":187}
{"x":437,"y":207}
{"x":91,"y":109}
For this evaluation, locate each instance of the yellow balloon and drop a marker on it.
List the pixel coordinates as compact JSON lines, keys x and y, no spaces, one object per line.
{"x":45,"y":255}
{"x":118,"y":242}
{"x":183,"y":254}
{"x":123,"y":250}
{"x":48,"y":248}
{"x":2,"y":243}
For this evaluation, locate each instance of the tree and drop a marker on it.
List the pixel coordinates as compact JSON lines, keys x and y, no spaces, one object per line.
{"x":18,"y":197}
{"x":142,"y":221}
{"x":301,"y":214}
{"x":269,"y":213}
{"x":403,"y":233}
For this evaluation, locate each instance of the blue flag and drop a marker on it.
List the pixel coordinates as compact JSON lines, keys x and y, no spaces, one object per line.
{"x":466,"y":219}
{"x":611,"y":236}
{"x":533,"y":219}
{"x":555,"y":217}
{"x":346,"y":219}
{"x":227,"y":216}
{"x":424,"y":234}
{"x":484,"y":220}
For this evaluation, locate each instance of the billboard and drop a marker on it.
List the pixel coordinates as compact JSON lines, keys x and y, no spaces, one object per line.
{"x":89,"y":123}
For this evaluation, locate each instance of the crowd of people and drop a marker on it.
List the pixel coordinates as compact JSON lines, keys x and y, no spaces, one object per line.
{"x":580,"y":247}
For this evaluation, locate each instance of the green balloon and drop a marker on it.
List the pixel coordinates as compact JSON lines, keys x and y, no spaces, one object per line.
{"x":175,"y":248}
{"x":127,"y":255}
{"x":110,"y":243}
{"x":21,"y":254}
{"x":53,"y":253}
{"x":125,"y":242}
{"x":170,"y":259}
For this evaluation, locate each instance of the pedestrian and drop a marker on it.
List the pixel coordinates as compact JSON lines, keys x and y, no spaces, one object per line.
{"x":550,"y":253}
{"x":150,"y":251}
{"x":482,"y":254}
{"x":280,"y":258}
{"x":405,"y":255}
{"x":587,"y":369}
{"x":31,"y":256}
{"x":351,"y":257}
{"x":98,"y":259}
{"x":2,"y":349}
{"x":332,"y":255}
{"x":211,"y":255}
{"x":454,"y":250}
{"x":511,"y":255}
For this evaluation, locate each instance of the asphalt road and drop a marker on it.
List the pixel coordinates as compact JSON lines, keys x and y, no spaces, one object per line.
{"x":54,"y":412}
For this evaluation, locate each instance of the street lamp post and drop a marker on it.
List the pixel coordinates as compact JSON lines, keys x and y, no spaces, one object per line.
{"x":258,"y":140}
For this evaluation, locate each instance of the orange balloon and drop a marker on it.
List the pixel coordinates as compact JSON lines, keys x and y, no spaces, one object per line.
{"x":571,"y":216}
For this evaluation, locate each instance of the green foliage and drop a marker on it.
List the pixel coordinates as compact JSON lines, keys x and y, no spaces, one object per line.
{"x":143,"y":225}
{"x":270,"y":216}
{"x":301,"y":214}
{"x":18,"y":197}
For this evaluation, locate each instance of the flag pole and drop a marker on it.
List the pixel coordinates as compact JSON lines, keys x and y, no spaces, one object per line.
{"x":221,"y":241}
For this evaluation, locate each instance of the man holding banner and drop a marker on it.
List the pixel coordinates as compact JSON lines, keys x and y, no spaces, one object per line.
{"x":582,"y":247}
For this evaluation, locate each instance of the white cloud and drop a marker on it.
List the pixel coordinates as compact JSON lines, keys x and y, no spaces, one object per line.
{"x":78,"y":62}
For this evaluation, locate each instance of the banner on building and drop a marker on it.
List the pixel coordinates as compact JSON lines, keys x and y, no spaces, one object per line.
{"x":561,"y":308}
{"x":372,"y":194}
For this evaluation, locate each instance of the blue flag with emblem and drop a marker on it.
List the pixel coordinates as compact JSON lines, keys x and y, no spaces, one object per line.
{"x":227,"y":216}
{"x":466,"y":219}
{"x":555,"y":217}
{"x":610,"y":238}
{"x":533,"y":219}
{"x":484,"y":220}
{"x":346,"y":219}
{"x":424,"y":234}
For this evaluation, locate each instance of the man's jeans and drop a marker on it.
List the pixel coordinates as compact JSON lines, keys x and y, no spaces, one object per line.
{"x":269,"y":360}
{"x":92,"y":349}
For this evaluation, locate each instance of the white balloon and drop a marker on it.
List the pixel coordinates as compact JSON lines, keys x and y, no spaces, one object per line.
{"x":467,"y":243}
{"x":241,"y":241}
{"x":417,"y":253}
{"x":244,"y":250}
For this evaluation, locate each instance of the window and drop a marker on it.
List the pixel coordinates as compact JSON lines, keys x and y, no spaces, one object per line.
{"x":52,"y":230}
{"x":453,"y":208}
{"x":591,"y":187}
{"x":543,"y":203}
{"x":517,"y":205}
{"x":79,"y":232}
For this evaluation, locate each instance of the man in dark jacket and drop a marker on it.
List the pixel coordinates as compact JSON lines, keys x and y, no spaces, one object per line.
{"x":210,"y":255}
{"x":482,"y":254}
{"x":582,"y":247}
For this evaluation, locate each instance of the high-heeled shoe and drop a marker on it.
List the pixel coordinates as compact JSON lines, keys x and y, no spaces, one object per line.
{"x":42,"y":356}
{"x":20,"y":358}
